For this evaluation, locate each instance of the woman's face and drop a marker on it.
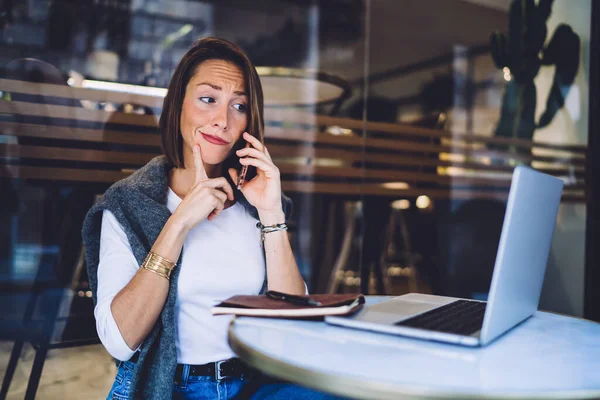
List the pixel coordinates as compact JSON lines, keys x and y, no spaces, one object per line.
{"x":214,"y":113}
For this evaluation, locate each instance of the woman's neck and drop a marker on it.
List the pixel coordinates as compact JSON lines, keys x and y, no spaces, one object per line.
{"x":181,"y":180}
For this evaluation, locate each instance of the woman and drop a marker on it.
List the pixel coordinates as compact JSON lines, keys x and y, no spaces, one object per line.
{"x":194,"y":234}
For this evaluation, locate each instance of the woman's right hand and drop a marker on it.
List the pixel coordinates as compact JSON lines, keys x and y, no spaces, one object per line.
{"x":206,"y":199}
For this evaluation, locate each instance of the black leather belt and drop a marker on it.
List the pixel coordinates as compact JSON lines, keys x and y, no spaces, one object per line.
{"x":232,"y":368}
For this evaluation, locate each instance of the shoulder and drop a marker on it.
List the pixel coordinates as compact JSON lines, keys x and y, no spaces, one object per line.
{"x":154,"y":173}
{"x":148,"y":181}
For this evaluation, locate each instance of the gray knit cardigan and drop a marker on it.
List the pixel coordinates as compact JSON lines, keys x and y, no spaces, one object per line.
{"x":139,"y":204}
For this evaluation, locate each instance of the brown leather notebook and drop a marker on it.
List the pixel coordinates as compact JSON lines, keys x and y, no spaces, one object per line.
{"x":263,"y":306}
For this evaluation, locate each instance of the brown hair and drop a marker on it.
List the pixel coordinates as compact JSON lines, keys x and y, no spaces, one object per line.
{"x":209,"y":48}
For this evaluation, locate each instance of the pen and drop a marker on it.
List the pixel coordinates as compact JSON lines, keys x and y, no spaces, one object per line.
{"x":290,"y":298}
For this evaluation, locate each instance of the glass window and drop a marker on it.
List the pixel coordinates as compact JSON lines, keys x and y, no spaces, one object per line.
{"x":395,"y":124}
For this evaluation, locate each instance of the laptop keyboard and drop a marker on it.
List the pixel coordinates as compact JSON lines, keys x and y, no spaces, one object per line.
{"x":462,"y":317}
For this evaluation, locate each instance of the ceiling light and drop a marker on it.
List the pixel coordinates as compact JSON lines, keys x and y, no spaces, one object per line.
{"x":395,"y":185}
{"x":402,"y":204}
{"x":124,"y":88}
{"x":423,"y":201}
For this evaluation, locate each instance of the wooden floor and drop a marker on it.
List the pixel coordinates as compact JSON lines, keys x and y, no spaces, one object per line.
{"x":79,"y":373}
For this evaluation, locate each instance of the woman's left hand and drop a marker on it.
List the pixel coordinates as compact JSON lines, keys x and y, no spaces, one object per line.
{"x":264,"y":190}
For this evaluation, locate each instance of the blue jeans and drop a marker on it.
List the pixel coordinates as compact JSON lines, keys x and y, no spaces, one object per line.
{"x":207,"y":387}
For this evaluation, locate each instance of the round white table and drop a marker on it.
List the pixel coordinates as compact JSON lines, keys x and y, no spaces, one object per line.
{"x":549,"y":356}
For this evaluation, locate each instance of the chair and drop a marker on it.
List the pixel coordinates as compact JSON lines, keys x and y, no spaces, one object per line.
{"x":59,"y":310}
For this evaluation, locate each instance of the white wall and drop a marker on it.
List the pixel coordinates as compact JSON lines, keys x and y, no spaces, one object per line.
{"x":564,"y":284}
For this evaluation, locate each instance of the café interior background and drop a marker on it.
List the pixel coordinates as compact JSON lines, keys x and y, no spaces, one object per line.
{"x":379,"y":207}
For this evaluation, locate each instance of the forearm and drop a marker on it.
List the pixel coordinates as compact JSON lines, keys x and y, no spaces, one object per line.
{"x":138,"y":305}
{"x":282,"y":271}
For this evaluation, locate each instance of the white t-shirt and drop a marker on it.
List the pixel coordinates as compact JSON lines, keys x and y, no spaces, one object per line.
{"x":221,"y":258}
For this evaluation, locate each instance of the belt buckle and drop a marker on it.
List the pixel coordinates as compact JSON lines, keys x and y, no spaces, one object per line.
{"x":218,"y":375}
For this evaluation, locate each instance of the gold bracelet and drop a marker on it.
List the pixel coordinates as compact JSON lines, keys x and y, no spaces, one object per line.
{"x":159,"y":265}
{"x":159,"y":273}
{"x":155,"y":258}
{"x":164,"y":272}
{"x":152,"y":264}
{"x":156,"y":267}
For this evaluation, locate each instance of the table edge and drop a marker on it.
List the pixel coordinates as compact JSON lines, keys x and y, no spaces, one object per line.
{"x":355,"y":387}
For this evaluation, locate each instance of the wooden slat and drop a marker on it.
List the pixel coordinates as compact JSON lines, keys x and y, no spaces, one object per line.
{"x":561,"y":169}
{"x":280,"y":151}
{"x":68,"y":92}
{"x":286,"y":117}
{"x":82,"y":114}
{"x":389,"y":175}
{"x":378,"y":190}
{"x":61,"y":174}
{"x":84,"y":134}
{"x":83,"y":155}
{"x":399,"y":145}
{"x":413,"y":178}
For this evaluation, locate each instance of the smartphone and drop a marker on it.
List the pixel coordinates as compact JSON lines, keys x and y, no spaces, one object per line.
{"x":243,"y":172}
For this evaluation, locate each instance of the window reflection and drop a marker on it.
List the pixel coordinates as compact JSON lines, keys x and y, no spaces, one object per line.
{"x":395,"y":131}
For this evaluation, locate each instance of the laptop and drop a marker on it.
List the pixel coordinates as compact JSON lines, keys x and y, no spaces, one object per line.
{"x":516,"y":285}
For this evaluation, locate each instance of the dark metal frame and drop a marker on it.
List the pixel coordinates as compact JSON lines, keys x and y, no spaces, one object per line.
{"x":591,"y":299}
